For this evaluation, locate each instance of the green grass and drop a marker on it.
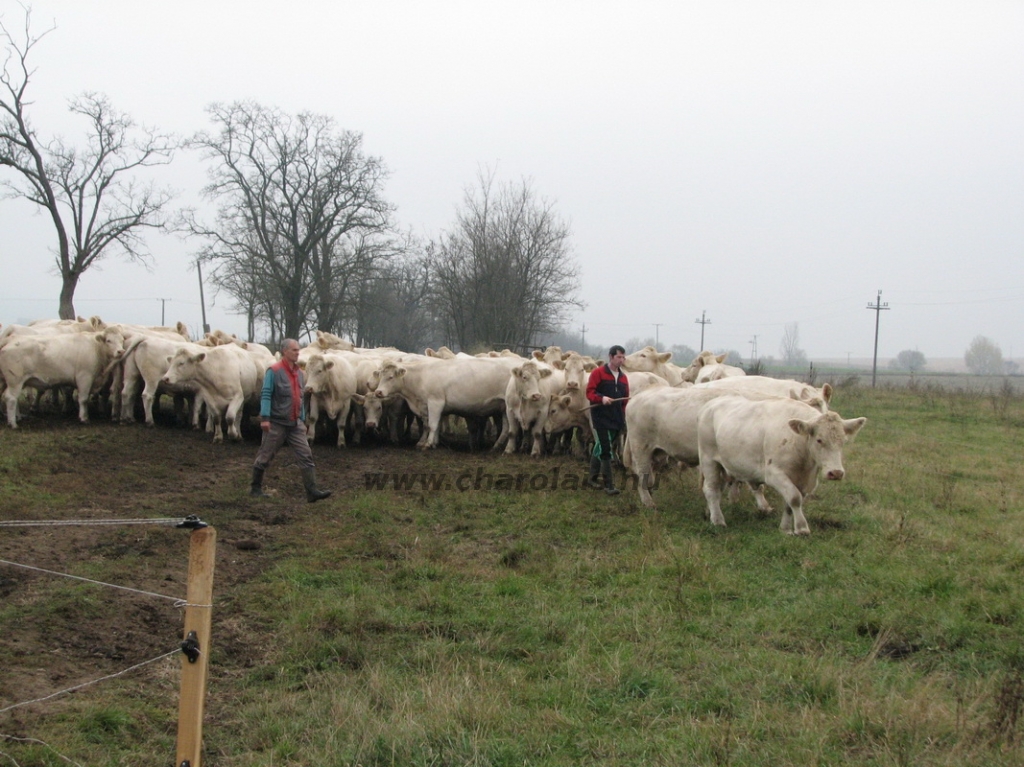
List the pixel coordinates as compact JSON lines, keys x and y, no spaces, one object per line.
{"x":540,"y":628}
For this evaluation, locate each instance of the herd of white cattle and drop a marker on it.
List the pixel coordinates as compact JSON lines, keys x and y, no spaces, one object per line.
{"x":735,"y":428}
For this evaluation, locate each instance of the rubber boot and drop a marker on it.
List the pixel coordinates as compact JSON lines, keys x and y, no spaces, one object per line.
{"x":609,"y":480}
{"x":313,"y":493}
{"x":595,"y":472}
{"x":256,"y":488}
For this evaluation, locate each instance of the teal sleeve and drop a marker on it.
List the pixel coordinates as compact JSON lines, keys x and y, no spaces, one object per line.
{"x":267,"y":394}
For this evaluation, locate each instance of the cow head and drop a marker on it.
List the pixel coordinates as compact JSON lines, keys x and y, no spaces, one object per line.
{"x":646,"y":360}
{"x":561,"y":414}
{"x":389,"y":380}
{"x":183,"y":366}
{"x":112,"y":341}
{"x":826,"y":435}
{"x":527,"y":379}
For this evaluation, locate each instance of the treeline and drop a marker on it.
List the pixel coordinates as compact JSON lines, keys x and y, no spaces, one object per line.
{"x":298,"y":231}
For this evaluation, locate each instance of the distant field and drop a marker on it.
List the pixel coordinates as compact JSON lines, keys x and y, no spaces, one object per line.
{"x":826,"y":371}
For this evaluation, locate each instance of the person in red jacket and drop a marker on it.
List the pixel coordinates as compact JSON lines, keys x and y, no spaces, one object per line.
{"x":607,"y":391}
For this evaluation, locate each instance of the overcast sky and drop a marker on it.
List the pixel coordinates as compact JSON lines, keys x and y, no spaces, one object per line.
{"x":765,"y":163}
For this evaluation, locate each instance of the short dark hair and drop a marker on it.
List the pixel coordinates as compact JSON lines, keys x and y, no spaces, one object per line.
{"x":615,"y":350}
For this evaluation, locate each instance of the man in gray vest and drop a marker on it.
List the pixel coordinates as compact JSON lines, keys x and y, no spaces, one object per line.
{"x":282,"y":418}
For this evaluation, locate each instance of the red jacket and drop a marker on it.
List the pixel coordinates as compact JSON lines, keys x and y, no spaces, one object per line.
{"x":602,"y":383}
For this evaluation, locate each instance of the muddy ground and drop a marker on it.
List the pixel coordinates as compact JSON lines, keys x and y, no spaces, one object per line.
{"x":59,"y":633}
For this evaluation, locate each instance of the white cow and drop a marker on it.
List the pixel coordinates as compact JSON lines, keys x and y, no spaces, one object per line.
{"x":776,"y":387}
{"x":661,"y":425}
{"x":650,"y":360}
{"x":779,"y":442}
{"x":639,"y":382}
{"x":226,"y":376}
{"x":331,"y":386}
{"x":473,"y":388}
{"x":146,"y":359}
{"x":717,"y":369}
{"x":529,"y":390}
{"x":61,"y":359}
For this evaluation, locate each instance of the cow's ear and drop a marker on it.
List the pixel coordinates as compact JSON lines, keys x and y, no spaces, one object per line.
{"x":826,"y":392}
{"x":399,"y":371}
{"x":170,"y":358}
{"x":800,"y":427}
{"x":545,"y":372}
{"x":200,"y":357}
{"x":517,"y":371}
{"x":329,"y":364}
{"x":537,"y":354}
{"x":853,"y":425}
{"x":359,"y":399}
{"x":721,"y":358}
{"x":664,"y":356}
{"x":558,"y":365}
{"x":566,"y":399}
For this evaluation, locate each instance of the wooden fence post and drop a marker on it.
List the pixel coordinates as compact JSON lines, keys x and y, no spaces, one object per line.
{"x":196,"y":646}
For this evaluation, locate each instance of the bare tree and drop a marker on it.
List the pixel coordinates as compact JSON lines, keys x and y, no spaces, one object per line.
{"x":90,"y":193}
{"x":505,"y":272}
{"x":790,"y":349}
{"x":298,"y":205}
{"x":394,"y":307}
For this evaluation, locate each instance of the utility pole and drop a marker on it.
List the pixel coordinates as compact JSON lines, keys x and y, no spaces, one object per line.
{"x":753,"y":350}
{"x":703,"y":321}
{"x":878,"y":306}
{"x":163,"y":304}
{"x":656,"y":326}
{"x":202,"y":301}
{"x":583,"y":337}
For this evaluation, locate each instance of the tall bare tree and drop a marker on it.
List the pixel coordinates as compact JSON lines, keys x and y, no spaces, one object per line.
{"x":789,"y":348}
{"x":294,"y":193}
{"x":91,"y":193}
{"x":394,"y":307}
{"x":505,"y":272}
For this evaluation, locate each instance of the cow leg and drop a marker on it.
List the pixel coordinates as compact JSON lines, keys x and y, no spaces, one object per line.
{"x":11,"y":395}
{"x":713,"y":475}
{"x":342,"y":420}
{"x":129,"y":387}
{"x":642,"y":455}
{"x":505,"y":437}
{"x":538,"y":440}
{"x":793,"y":520}
{"x":83,"y":386}
{"x":509,"y":433}
{"x":149,"y":398}
{"x":435,"y":410}
{"x":234,"y":418}
{"x":762,"y":503}
{"x":312,"y":416}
